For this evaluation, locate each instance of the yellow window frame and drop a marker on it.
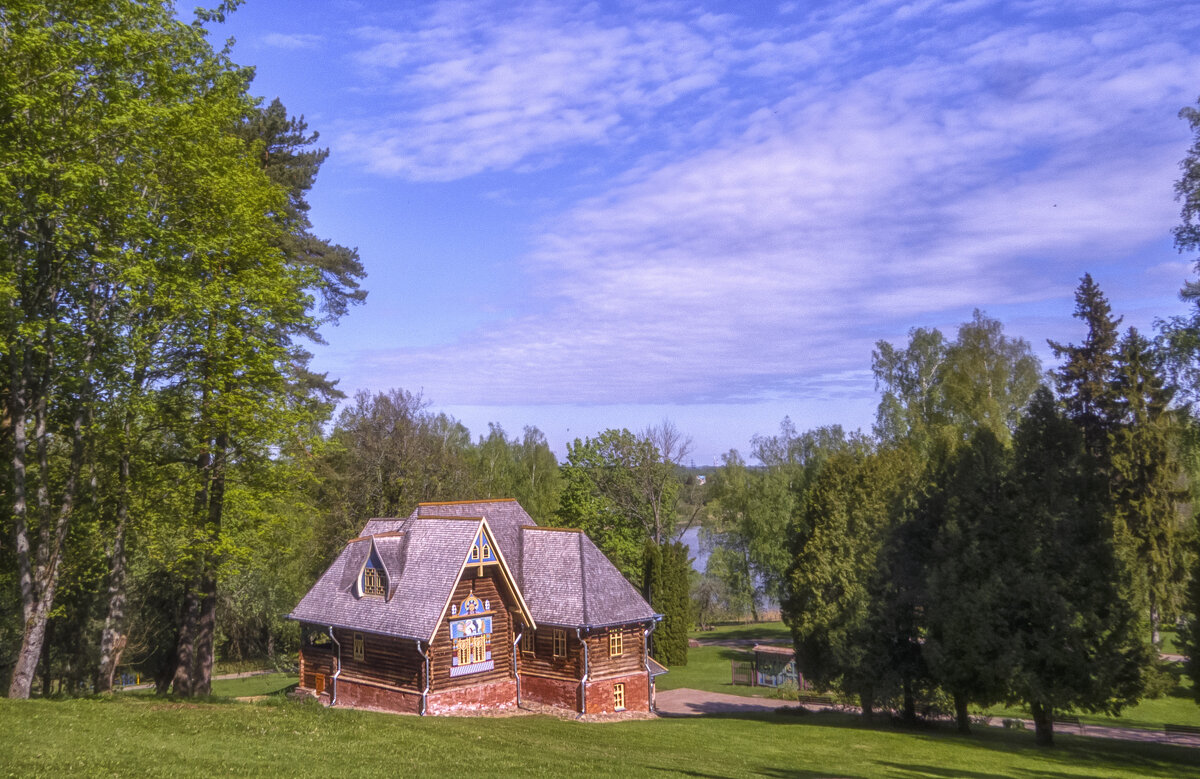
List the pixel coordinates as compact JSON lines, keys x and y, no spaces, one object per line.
{"x":360,"y":648}
{"x":616,"y":644}
{"x":619,"y":696}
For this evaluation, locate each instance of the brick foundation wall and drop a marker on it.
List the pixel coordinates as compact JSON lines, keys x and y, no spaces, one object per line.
{"x":365,"y":696}
{"x":492,"y":696}
{"x":600,"y":694}
{"x":551,"y":692}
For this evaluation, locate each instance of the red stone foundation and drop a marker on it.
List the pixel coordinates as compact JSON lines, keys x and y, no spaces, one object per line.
{"x":494,"y":696}
{"x":366,"y":696}
{"x":600,"y":694}
{"x":551,"y":692}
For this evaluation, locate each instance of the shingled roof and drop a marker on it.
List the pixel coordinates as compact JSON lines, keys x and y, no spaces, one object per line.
{"x":422,"y":565}
{"x":564,"y":578}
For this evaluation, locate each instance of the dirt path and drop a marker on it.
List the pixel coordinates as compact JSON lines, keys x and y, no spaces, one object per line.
{"x":685,"y":702}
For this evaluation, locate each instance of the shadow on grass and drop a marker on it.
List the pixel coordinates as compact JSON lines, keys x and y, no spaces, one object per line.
{"x":1072,"y":754}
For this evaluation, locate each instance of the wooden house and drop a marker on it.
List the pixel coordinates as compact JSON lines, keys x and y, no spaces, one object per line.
{"x":468,"y":606}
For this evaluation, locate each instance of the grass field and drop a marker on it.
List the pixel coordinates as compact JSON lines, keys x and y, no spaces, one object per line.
{"x":141,"y":736}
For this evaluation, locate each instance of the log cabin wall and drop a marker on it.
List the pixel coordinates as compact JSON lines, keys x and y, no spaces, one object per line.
{"x":317,"y":662}
{"x":500,"y":641}
{"x":601,"y":661}
{"x":542,"y":662}
{"x":387,"y":662}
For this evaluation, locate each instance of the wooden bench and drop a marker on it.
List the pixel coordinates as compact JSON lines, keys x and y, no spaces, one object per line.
{"x":810,"y":698}
{"x":1069,"y":721}
{"x":1181,"y":730}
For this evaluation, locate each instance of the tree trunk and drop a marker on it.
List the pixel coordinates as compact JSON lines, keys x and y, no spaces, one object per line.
{"x":207,"y":624}
{"x":185,"y":647}
{"x":960,"y":713}
{"x":112,"y":638}
{"x":910,"y":704}
{"x":38,"y":586}
{"x":1043,"y":723}
{"x":866,"y":701}
{"x":47,"y":678}
{"x":1155,"y":638}
{"x":206,"y":629}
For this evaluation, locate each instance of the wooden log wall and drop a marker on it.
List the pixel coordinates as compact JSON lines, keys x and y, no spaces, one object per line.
{"x":387,"y":661}
{"x":500,"y":643}
{"x":542,"y":661}
{"x":631,"y":659}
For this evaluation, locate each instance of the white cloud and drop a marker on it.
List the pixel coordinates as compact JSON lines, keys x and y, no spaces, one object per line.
{"x":984,"y":165}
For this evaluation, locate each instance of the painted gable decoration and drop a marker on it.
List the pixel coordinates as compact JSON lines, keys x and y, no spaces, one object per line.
{"x":471,"y":635}
{"x":481,"y":550}
{"x":373,"y":579}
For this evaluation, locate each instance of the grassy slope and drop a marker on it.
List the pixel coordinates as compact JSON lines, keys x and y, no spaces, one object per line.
{"x":134,"y":735}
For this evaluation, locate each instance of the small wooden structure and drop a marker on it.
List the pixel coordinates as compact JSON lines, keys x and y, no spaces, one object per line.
{"x":468,"y":606}
{"x":773,"y":666}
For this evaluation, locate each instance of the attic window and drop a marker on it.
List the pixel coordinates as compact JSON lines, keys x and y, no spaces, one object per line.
{"x":372,"y":582}
{"x":481,"y":550}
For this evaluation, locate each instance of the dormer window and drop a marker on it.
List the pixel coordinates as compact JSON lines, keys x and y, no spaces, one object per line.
{"x":372,"y":581}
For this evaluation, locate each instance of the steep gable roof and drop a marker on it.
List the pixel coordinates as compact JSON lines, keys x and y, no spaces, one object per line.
{"x":565,"y":578}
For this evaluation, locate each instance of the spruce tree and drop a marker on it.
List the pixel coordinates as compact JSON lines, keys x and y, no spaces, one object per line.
{"x":1146,"y":476}
{"x":1085,"y":379}
{"x":1080,"y":635}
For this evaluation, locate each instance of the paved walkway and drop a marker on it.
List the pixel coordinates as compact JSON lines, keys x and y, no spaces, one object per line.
{"x":685,"y":702}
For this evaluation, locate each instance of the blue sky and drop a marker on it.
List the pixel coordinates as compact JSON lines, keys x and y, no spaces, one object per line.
{"x":581,"y":216}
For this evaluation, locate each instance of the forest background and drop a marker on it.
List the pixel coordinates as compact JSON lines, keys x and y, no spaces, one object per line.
{"x":176,"y":477}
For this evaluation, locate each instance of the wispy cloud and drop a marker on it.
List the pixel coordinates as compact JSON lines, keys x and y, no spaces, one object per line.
{"x":293,"y":40}
{"x":892,"y":163}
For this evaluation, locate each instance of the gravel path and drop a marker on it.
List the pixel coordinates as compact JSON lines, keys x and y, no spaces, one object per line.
{"x":685,"y":702}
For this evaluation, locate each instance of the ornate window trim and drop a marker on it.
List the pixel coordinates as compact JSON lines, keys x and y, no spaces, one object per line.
{"x":360,"y":649}
{"x":619,"y":696}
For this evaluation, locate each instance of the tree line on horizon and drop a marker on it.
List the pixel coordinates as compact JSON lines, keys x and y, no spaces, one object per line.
{"x":176,"y":477}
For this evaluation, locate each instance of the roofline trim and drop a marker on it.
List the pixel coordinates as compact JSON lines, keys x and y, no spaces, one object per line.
{"x":553,"y":529}
{"x":357,"y":629}
{"x":451,"y":519}
{"x":463,"y":502}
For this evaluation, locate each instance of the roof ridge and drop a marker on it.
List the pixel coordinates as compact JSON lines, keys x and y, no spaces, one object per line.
{"x":452,"y":519}
{"x":552,"y":529}
{"x":463,"y":502}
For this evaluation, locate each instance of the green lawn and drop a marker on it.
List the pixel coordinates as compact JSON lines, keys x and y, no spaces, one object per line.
{"x":140,"y":736}
{"x":267,"y":684}
{"x":774,"y":632}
